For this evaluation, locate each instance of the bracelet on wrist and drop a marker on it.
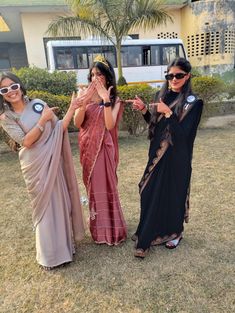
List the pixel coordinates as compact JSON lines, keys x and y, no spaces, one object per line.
{"x":143,"y":108}
{"x":40,"y":127}
{"x":107,"y":104}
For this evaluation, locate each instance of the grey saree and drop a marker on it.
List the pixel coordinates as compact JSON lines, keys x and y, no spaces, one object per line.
{"x":50,"y":179}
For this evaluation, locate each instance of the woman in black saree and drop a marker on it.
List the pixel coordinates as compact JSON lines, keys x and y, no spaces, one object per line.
{"x":164,"y":187}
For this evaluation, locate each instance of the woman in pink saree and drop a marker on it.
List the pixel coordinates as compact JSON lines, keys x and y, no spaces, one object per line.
{"x":97,"y":118}
{"x":47,"y":167}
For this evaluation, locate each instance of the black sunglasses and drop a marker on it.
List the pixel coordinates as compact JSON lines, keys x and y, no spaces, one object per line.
{"x":177,"y":76}
{"x":5,"y":90}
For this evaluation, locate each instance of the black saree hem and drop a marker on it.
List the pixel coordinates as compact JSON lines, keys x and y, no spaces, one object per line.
{"x":161,"y":240}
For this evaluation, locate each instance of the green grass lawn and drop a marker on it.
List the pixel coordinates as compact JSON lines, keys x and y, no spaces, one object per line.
{"x":198,"y":276}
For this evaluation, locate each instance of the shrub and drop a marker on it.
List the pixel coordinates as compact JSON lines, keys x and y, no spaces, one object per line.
{"x":196,"y":72}
{"x":58,"y":83}
{"x":231,"y":91}
{"x":133,"y":120}
{"x":209,"y":89}
{"x":121,"y":81}
{"x":228,"y":76}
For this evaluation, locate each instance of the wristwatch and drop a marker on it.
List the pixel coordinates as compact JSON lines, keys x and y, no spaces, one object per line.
{"x":168,"y":114}
{"x":107,"y":104}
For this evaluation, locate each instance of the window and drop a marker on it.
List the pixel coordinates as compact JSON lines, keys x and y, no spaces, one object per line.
{"x":64,"y":58}
{"x":4,"y":63}
{"x":134,"y":36}
{"x":110,"y":54}
{"x":155,"y":55}
{"x":181,"y":52}
{"x":169,"y":53}
{"x":4,"y":58}
{"x":92,"y":53}
{"x":81,"y":57}
{"x":131,"y":56}
{"x":146,"y":55}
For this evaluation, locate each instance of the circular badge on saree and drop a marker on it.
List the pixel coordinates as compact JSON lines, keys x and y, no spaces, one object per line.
{"x":38,"y":107}
{"x":191,"y":99}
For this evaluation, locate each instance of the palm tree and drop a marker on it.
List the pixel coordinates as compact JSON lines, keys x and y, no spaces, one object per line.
{"x":110,"y":19}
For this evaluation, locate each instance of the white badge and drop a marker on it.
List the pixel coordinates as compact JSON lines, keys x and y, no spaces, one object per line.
{"x":38,"y":107}
{"x":191,"y":99}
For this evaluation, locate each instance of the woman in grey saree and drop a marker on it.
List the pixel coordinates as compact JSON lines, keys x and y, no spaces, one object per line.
{"x":47,"y":167}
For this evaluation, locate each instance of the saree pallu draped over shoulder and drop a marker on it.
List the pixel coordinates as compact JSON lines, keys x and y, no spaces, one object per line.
{"x":165,"y":185}
{"x":99,"y":160}
{"x":50,"y":178}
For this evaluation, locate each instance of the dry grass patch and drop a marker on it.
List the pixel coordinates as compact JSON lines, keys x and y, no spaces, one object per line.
{"x":197,"y":277}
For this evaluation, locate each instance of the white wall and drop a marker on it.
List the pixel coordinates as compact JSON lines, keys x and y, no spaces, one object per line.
{"x":34,"y":27}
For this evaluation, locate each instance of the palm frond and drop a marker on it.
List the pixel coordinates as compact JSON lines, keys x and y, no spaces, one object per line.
{"x":110,"y":19}
{"x":74,"y":26}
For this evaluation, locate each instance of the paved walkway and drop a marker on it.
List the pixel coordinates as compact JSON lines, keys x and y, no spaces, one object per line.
{"x":220,"y":121}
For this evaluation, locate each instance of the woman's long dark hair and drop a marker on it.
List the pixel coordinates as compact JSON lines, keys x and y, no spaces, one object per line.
{"x":186,"y":90}
{"x":109,"y":74}
{"x":15,"y":79}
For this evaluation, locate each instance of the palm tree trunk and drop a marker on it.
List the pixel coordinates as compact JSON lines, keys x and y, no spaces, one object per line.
{"x":119,"y":63}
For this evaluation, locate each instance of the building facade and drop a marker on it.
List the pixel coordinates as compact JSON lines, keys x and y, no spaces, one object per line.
{"x":206,"y":27}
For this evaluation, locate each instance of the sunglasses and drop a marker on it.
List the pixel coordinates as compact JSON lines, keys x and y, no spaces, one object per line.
{"x":5,"y":90}
{"x":177,"y":76}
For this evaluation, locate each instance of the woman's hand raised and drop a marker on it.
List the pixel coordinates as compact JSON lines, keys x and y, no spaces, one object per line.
{"x":48,"y":113}
{"x":102,"y":91}
{"x":85,"y":94}
{"x":137,"y":104}
{"x":161,"y":107}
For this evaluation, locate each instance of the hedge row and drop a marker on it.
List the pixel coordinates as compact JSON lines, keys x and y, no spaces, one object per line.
{"x":210,"y":89}
{"x":132,"y":120}
{"x":56,"y":89}
{"x":57,"y":83}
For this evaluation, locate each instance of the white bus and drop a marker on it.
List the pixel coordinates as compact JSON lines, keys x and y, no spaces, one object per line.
{"x":143,"y":60}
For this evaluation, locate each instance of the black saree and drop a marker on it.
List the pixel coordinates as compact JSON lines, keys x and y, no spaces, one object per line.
{"x":164,"y":187}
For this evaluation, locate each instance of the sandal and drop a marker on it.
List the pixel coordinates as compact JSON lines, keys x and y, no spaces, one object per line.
{"x":140,"y":253}
{"x":172,"y":244}
{"x":47,"y":268}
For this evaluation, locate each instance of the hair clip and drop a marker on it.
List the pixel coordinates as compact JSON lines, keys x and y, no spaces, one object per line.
{"x":99,"y":58}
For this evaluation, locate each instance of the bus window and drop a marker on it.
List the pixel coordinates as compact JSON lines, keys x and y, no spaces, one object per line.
{"x":155,"y":55}
{"x":81,"y":57}
{"x":169,"y":53}
{"x":92,"y":53}
{"x":64,"y":58}
{"x":181,"y":52}
{"x":131,"y":56}
{"x":109,"y":53}
{"x":146,"y":55}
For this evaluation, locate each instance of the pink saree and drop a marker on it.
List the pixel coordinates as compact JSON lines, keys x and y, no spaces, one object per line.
{"x":99,"y":160}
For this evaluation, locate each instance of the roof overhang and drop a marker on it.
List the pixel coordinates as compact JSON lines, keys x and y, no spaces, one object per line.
{"x":11,"y":16}
{"x":11,"y":11}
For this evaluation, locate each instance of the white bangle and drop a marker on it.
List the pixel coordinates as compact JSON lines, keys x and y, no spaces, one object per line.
{"x":168,"y":114}
{"x":39,"y":127}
